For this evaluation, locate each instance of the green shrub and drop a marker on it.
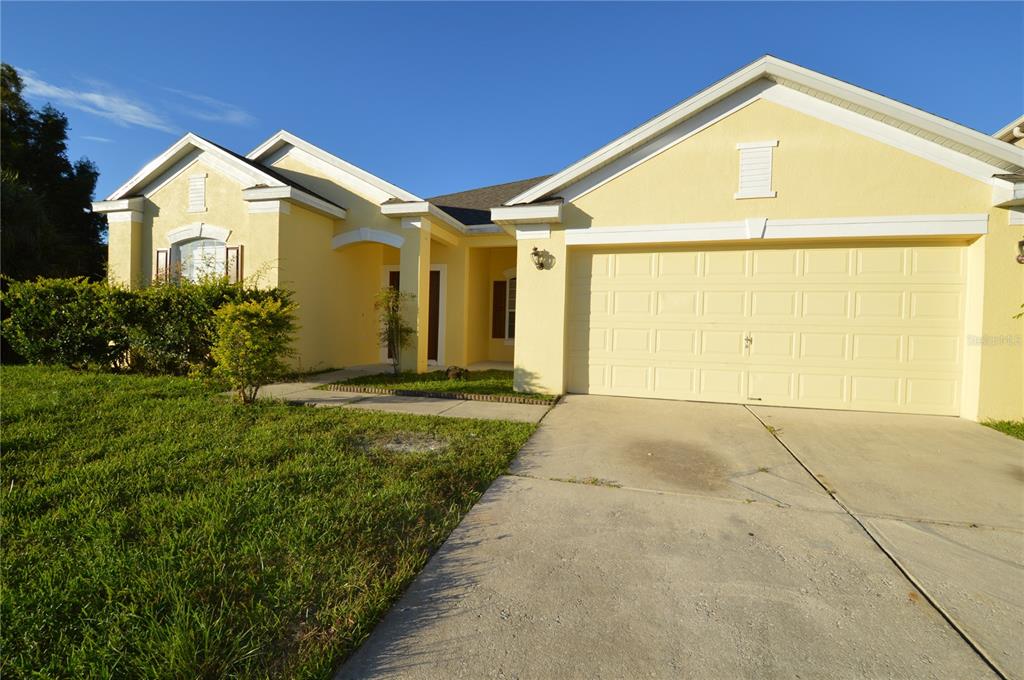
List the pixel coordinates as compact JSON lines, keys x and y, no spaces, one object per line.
{"x":72,"y":322}
{"x":253,"y":338}
{"x":163,"y":329}
{"x":395,"y":334}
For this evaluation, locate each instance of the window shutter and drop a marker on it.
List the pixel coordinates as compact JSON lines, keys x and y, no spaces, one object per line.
{"x":756,"y":169}
{"x":162,"y":265}
{"x":233,"y":263}
{"x":197,"y":193}
{"x":498,"y":309}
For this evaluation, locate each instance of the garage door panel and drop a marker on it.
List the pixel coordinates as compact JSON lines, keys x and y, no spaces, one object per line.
{"x":837,"y":327}
{"x":772,"y":386}
{"x":678,"y":303}
{"x":680,"y":266}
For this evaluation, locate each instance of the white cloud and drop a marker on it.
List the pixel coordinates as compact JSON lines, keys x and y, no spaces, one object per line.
{"x":101,"y":99}
{"x":108,"y":104}
{"x":93,"y":138}
{"x":212,"y":109}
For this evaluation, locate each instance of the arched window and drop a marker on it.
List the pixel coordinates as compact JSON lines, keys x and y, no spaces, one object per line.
{"x":199,"y":259}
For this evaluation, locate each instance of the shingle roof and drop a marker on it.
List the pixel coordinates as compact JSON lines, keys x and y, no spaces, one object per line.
{"x":473,"y":206}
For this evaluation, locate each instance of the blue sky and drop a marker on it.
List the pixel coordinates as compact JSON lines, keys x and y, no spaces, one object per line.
{"x":439,"y":97}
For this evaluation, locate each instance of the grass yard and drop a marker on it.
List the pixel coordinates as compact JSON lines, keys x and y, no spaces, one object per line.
{"x":151,"y":528}
{"x":1014,"y":428}
{"x":493,"y":382}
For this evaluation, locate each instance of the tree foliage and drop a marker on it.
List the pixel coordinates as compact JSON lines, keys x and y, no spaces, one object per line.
{"x":46,"y":223}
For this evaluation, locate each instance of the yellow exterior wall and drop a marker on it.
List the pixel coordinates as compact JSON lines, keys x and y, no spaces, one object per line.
{"x":487,"y":265}
{"x":334,"y":290}
{"x":818,"y":170}
{"x":540,"y":326}
{"x":1001,"y":394}
{"x":361,"y":210}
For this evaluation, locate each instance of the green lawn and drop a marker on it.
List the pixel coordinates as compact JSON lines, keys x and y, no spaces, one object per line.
{"x":479,"y":382}
{"x":1014,"y":428}
{"x":151,"y":528}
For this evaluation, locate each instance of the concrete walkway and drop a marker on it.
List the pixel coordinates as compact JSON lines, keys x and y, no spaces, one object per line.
{"x":658,"y":539}
{"x":305,"y":392}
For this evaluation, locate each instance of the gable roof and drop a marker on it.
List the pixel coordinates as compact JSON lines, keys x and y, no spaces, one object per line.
{"x":915,"y":121}
{"x":473,"y":206}
{"x":283,"y":137}
{"x":256,"y":176}
{"x":182,"y":148}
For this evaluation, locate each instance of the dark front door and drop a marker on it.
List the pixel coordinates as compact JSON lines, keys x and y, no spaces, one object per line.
{"x":433,"y":311}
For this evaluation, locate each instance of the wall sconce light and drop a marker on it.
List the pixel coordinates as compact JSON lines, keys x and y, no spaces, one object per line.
{"x":539,"y":258}
{"x":1020,"y":252}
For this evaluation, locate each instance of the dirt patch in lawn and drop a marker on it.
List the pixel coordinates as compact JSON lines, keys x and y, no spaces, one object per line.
{"x":408,"y":442}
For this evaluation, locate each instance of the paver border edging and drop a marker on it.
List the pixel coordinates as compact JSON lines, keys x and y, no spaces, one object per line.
{"x":464,"y":396}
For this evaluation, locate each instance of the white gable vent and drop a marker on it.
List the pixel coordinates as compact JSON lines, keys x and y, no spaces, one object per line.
{"x":756,"y":169}
{"x":197,"y":193}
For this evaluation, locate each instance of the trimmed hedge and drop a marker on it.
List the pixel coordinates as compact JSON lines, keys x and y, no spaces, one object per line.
{"x":166,"y":329}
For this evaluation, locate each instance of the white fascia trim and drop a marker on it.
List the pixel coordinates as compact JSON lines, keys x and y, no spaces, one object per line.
{"x":526,"y":214}
{"x":198,"y":230}
{"x":529,"y":232}
{"x":405,"y":209}
{"x":761,"y":228}
{"x":125,"y":216}
{"x":890,"y":107}
{"x":483,"y":229}
{"x":137,"y":204}
{"x":293,"y":194}
{"x":367,"y":235}
{"x":771,"y":67}
{"x":285,"y":137}
{"x":421,"y":208}
{"x":644,"y":133}
{"x":678,"y":133}
{"x":177,"y":151}
{"x":882,"y":132}
{"x":259,"y":207}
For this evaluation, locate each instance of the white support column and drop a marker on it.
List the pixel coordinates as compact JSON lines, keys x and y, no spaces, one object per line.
{"x":414,"y":280}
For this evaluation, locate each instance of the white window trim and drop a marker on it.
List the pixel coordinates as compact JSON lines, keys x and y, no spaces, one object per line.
{"x":510,"y":276}
{"x":442,"y":309}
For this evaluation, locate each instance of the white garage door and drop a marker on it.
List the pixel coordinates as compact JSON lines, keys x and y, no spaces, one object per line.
{"x":872,"y":328}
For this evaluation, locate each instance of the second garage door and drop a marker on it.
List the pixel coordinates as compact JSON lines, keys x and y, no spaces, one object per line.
{"x":873,"y":328}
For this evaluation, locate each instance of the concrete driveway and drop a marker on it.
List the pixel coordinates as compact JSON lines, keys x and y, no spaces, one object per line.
{"x":641,"y":538}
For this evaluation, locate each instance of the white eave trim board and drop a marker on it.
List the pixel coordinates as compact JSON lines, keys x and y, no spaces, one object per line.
{"x":526,"y":214}
{"x":293,"y":194}
{"x":777,"y":70}
{"x":420,"y":208}
{"x":910,"y":226}
{"x":179,"y":150}
{"x":108,"y":206}
{"x":284,"y":137}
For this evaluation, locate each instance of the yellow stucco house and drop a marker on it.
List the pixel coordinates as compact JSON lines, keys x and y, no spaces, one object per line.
{"x":780,"y":237}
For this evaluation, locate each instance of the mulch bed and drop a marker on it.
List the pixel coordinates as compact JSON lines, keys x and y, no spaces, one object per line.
{"x":504,"y":399}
